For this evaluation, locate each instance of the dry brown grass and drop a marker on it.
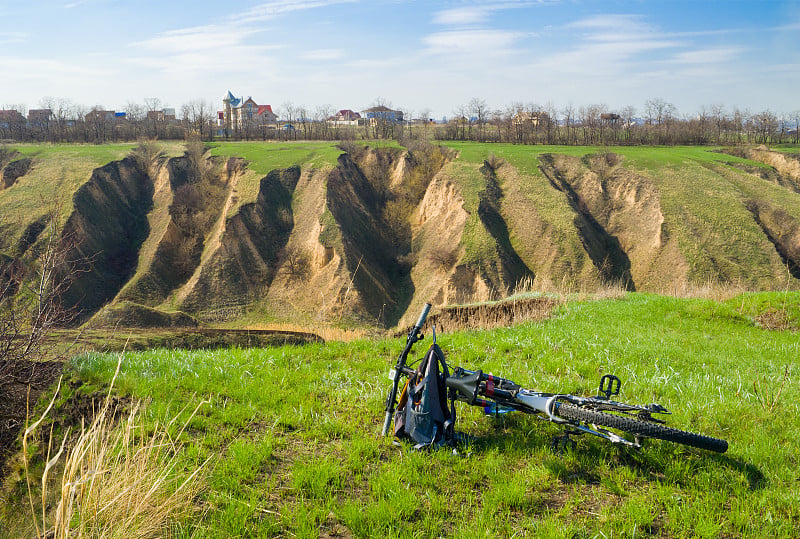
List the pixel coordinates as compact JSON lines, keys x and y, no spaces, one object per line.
{"x":117,"y":480}
{"x":570,"y":288}
{"x":711,"y":289}
{"x":327,"y":333}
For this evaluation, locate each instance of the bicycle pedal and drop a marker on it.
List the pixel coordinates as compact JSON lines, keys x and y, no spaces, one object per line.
{"x":559,"y":444}
{"x":610,"y":385}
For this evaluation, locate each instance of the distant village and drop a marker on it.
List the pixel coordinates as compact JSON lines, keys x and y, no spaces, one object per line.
{"x":242,"y":118}
{"x":239,"y":117}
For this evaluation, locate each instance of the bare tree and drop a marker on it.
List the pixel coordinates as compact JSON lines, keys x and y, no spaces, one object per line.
{"x":479,"y":114}
{"x":739,"y":123}
{"x":290,"y":117}
{"x":152,"y":106}
{"x":322,"y":114}
{"x":197,"y":116}
{"x":628,"y":114}
{"x":718,"y":119}
{"x":30,"y":288}
{"x":660,"y":113}
{"x":303,"y":119}
{"x":569,"y":122}
{"x":765,"y":126}
{"x":295,"y":263}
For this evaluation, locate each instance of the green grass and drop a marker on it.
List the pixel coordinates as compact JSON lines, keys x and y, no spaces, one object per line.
{"x":785,"y":306}
{"x":57,"y":172}
{"x":295,"y":430}
{"x":263,"y":157}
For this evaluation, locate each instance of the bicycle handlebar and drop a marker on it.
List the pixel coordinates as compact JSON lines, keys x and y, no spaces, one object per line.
{"x":413,"y":336}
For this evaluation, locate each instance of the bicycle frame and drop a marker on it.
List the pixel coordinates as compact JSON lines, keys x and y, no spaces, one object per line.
{"x":468,"y":385}
{"x":578,"y":415}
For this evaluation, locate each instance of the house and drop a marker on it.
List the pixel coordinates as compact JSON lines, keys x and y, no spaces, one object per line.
{"x":534,"y":119}
{"x":382,"y":113}
{"x":155,"y":115}
{"x":163,"y":115}
{"x":39,"y":117}
{"x":345,"y":117}
{"x":611,"y":118}
{"x":266,"y":115}
{"x":96,"y":115}
{"x":11,"y":118}
{"x":238,"y":113}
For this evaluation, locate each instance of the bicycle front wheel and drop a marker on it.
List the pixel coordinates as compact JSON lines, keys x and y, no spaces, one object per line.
{"x":639,"y":427}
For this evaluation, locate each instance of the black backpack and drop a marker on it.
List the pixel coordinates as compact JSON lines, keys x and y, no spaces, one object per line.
{"x":422,"y":412}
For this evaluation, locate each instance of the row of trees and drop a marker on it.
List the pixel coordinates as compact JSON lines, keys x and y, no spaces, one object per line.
{"x":60,"y":120}
{"x":658,"y":122}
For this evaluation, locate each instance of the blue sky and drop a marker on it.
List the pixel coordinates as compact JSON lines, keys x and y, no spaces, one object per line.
{"x":416,"y":55}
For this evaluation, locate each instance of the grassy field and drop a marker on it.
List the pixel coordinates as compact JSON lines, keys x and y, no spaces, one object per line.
{"x":293,"y":432}
{"x":58,"y":171}
{"x":264,"y":157}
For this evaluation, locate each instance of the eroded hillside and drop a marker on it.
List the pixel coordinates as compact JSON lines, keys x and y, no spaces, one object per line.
{"x":376,"y":233}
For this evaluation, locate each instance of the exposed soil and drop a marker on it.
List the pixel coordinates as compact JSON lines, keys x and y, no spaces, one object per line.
{"x":21,"y":385}
{"x":784,"y":168}
{"x":243,"y":260}
{"x":512,"y":269}
{"x":132,"y":315}
{"x":782,"y":230}
{"x":105,"y":231}
{"x":490,"y":315}
{"x":374,"y":237}
{"x":203,"y":339}
{"x":14,"y":171}
{"x":590,"y":203}
{"x":198,"y":187}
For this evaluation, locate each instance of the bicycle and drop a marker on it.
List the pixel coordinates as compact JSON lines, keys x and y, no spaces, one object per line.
{"x":599,"y":415}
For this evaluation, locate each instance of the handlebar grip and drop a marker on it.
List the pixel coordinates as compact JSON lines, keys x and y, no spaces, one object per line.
{"x":423,"y":316}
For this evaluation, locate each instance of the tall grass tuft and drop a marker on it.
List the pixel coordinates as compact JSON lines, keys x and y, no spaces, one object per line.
{"x":117,"y":479}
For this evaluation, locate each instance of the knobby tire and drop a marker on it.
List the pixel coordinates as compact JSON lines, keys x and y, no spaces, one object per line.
{"x":639,"y":427}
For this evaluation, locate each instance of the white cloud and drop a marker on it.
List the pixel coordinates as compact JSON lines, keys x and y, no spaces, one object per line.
{"x":323,"y":54}
{"x":481,"y":41}
{"x":226,"y":47}
{"x":275,"y":8}
{"x":479,"y":13}
{"x":462,"y":15}
{"x":608,"y":46}
{"x":706,"y":56}
{"x":611,"y":21}
{"x":53,"y":77}
{"x":199,"y":38}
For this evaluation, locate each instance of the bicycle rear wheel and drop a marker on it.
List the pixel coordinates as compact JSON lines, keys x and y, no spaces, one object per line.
{"x":639,"y":427}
